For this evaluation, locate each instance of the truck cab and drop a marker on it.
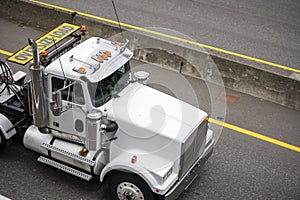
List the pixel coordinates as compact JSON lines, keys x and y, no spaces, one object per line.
{"x":93,"y":118}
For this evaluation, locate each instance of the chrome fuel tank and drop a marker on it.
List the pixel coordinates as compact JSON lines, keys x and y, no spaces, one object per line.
{"x":65,"y":151}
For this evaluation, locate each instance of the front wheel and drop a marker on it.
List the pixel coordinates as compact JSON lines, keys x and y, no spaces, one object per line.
{"x":3,"y":141}
{"x":129,"y":187}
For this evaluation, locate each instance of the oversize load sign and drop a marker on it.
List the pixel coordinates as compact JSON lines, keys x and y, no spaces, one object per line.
{"x":45,"y":42}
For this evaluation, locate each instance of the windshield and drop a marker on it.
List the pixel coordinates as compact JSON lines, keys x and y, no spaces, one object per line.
{"x":102,"y":91}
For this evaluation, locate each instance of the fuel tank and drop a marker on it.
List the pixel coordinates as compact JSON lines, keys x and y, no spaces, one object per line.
{"x":65,"y":151}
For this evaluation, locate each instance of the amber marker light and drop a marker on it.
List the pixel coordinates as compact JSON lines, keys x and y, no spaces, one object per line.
{"x":82,"y":70}
{"x":105,"y":57}
{"x":108,"y":53}
{"x":44,"y":53}
{"x":99,"y":58}
{"x":83,"y":30}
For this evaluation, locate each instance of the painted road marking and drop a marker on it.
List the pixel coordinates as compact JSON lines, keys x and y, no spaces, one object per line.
{"x":255,"y":135}
{"x":234,"y":128}
{"x":170,"y":37}
{"x":45,"y":42}
{"x":5,"y":52}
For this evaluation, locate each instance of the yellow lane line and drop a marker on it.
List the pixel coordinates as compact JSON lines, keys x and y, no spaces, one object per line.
{"x":5,"y":52}
{"x":256,"y":135}
{"x":170,"y":37}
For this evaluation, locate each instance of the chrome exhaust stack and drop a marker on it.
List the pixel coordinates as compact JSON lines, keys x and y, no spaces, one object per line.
{"x":37,"y":89}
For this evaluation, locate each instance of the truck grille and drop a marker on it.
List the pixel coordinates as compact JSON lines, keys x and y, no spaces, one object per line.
{"x":192,"y":148}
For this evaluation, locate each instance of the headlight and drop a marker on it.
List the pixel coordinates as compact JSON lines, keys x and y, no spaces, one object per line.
{"x":166,"y":176}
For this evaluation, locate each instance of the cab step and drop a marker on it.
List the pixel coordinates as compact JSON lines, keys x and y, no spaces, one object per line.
{"x":68,"y":154}
{"x":65,"y":168}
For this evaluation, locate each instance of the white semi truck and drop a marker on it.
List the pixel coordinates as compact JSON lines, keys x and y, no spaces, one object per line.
{"x":86,"y":114}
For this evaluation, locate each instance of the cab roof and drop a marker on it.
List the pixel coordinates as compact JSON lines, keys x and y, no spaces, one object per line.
{"x":91,"y":60}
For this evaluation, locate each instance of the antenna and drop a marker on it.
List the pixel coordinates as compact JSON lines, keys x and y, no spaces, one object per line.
{"x":62,"y":69}
{"x":115,"y":9}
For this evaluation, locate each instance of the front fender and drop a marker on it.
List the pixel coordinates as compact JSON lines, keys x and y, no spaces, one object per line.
{"x":123,"y":163}
{"x":118,"y":164}
{"x":5,"y":125}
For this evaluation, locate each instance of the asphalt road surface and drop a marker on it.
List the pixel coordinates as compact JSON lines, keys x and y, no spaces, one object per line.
{"x":264,"y":29}
{"x":241,"y":167}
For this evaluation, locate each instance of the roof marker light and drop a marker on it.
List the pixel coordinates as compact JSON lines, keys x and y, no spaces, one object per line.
{"x":108,"y":53}
{"x":82,"y":70}
{"x":100,"y":59}
{"x":105,"y":57}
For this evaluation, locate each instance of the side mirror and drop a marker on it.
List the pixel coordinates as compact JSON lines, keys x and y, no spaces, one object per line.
{"x":56,"y":104}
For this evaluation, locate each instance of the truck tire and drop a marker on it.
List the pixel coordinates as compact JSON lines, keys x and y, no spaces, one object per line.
{"x":129,"y":186}
{"x":2,"y":141}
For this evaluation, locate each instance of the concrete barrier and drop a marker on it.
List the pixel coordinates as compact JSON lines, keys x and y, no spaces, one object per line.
{"x":256,"y":79}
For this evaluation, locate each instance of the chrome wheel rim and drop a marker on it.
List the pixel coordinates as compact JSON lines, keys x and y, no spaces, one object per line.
{"x":129,"y":191}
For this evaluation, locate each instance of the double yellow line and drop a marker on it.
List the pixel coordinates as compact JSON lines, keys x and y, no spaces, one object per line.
{"x":169,"y":36}
{"x":232,"y":127}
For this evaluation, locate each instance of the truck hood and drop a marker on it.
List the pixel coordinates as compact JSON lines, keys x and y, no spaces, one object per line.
{"x":143,"y":112}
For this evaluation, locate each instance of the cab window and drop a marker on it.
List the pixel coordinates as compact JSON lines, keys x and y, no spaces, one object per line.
{"x":102,"y":91}
{"x":71,"y":91}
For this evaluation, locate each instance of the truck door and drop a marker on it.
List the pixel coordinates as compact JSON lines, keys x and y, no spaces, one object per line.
{"x":73,"y":117}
